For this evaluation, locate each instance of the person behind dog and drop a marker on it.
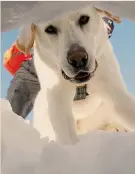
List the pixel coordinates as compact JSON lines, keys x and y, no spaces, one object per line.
{"x":25,"y":85}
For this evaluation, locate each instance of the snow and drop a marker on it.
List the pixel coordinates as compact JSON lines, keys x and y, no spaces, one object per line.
{"x":15,"y":13}
{"x":24,"y":152}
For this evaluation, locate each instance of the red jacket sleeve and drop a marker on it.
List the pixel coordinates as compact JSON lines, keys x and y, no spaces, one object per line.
{"x":13,"y":58}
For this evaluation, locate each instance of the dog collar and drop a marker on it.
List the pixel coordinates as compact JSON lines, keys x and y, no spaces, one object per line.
{"x":109,"y":25}
{"x":81,"y":92}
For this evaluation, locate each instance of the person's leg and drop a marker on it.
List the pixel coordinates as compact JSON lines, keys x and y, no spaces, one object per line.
{"x":23,"y":89}
{"x":27,"y":108}
{"x":17,"y":98}
{"x":33,"y":88}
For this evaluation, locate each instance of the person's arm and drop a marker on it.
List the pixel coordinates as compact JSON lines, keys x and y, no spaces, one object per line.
{"x":13,"y":58}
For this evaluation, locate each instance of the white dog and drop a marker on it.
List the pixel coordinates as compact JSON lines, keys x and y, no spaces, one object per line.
{"x":72,"y":51}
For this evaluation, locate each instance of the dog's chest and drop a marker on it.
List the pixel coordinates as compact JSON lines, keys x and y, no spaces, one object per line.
{"x":84,"y":104}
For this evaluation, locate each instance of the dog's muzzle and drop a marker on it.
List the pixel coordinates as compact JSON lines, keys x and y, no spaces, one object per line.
{"x":77,"y":59}
{"x":82,"y":76}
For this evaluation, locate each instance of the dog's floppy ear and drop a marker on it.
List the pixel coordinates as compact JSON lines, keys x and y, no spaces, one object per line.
{"x":111,"y":16}
{"x":26,"y":38}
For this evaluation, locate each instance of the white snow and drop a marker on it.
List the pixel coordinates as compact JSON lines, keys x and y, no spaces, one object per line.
{"x":23,"y":152}
{"x":15,"y":13}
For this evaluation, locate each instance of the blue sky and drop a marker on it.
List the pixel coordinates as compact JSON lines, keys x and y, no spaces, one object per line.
{"x":123,"y":41}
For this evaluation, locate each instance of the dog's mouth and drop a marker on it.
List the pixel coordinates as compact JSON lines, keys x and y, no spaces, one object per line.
{"x":81,"y":77}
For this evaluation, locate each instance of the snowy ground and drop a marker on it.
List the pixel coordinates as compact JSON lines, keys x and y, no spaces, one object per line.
{"x":23,"y":152}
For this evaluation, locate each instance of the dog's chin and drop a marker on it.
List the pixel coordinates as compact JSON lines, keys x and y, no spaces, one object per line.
{"x":81,"y":77}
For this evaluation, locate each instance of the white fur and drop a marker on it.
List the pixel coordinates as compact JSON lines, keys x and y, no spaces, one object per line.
{"x":54,"y":111}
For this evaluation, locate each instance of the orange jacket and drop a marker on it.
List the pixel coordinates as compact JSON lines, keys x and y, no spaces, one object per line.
{"x":13,"y":58}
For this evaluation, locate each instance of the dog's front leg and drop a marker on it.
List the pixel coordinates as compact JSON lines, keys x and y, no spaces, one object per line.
{"x":60,"y":100}
{"x":122,"y":103}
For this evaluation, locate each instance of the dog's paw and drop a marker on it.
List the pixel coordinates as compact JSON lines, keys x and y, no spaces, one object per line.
{"x":113,"y":127}
{"x":67,"y":137}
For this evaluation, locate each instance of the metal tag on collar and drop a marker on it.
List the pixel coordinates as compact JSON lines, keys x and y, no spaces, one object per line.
{"x":81,"y":93}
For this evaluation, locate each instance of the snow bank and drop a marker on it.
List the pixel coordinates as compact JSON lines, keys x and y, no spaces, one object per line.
{"x":15,"y":13}
{"x":23,"y":152}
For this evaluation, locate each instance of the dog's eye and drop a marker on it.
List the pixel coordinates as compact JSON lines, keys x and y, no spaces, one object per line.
{"x":83,"y":20}
{"x":51,"y":30}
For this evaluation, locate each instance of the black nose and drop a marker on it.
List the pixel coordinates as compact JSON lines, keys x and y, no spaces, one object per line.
{"x":77,"y":56}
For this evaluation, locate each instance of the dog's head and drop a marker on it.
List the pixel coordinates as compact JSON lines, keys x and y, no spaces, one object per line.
{"x":72,"y":43}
